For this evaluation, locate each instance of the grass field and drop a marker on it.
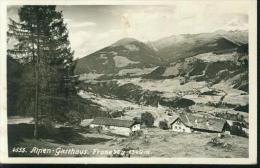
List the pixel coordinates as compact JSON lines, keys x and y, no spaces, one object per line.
{"x":153,"y":143}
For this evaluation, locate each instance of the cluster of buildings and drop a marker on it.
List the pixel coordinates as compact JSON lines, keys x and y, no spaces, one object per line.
{"x":184,"y":122}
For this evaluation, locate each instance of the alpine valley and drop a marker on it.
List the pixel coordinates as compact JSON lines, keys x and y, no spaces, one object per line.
{"x":205,"y":73}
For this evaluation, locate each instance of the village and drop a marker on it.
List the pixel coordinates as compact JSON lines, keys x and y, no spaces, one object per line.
{"x":127,"y":117}
{"x":124,"y":133}
{"x":184,"y":122}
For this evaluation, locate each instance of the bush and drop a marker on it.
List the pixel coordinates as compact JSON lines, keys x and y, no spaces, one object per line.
{"x":73,"y":117}
{"x":220,"y":143}
{"x":147,"y":119}
{"x":137,"y":120}
{"x":163,"y":125}
{"x":136,"y":134}
{"x":146,"y":141}
{"x":216,"y":142}
{"x":236,"y":129}
{"x":117,"y":114}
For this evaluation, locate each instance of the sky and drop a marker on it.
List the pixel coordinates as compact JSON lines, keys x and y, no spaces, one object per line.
{"x":93,"y":27}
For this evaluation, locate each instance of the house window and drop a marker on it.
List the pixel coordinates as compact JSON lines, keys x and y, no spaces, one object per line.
{"x":175,"y":127}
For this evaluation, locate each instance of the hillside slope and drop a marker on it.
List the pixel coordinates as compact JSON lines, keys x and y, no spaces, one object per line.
{"x":125,"y":53}
{"x":213,"y":68}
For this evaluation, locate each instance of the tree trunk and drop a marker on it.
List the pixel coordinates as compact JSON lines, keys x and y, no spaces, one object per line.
{"x":36,"y":95}
{"x":37,"y":83}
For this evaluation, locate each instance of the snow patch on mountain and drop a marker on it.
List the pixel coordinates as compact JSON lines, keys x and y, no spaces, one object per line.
{"x":136,"y":71}
{"x":102,"y":56}
{"x":234,"y":96}
{"x":122,"y":61}
{"x":106,"y":103}
{"x":211,"y":57}
{"x":236,"y":24}
{"x":89,"y":76}
{"x":172,"y":70}
{"x":131,"y":47}
{"x":113,"y":52}
{"x":165,"y":85}
{"x":106,"y":61}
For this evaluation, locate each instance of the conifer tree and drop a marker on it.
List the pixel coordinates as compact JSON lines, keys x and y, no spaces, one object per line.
{"x":42,"y":43}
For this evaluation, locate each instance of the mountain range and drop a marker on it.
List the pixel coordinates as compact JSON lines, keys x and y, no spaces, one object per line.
{"x":129,"y":53}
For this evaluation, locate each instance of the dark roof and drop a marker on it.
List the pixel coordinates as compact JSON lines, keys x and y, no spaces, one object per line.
{"x":113,"y":122}
{"x":202,"y":123}
{"x":172,"y":119}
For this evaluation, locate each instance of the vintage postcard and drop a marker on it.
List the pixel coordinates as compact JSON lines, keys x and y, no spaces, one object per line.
{"x":128,"y":82}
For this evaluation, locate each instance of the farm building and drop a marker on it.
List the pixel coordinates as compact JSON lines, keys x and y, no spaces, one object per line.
{"x":238,"y":128}
{"x":195,"y":123}
{"x":116,"y":126}
{"x":179,"y":126}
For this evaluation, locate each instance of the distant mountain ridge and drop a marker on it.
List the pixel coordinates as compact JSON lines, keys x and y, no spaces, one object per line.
{"x":186,"y":45}
{"x":237,"y":36}
{"x":129,"y":53}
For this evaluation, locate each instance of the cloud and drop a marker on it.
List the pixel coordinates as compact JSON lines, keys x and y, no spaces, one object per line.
{"x":84,"y":24}
{"x":148,"y":23}
{"x":87,"y":42}
{"x":73,"y":24}
{"x":94,"y":27}
{"x":156,"y":22}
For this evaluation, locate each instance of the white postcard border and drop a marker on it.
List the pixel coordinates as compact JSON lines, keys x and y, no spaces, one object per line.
{"x":153,"y":160}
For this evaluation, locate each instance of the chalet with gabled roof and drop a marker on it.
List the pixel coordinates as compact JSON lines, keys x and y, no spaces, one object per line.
{"x":116,"y":126}
{"x":195,"y":123}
